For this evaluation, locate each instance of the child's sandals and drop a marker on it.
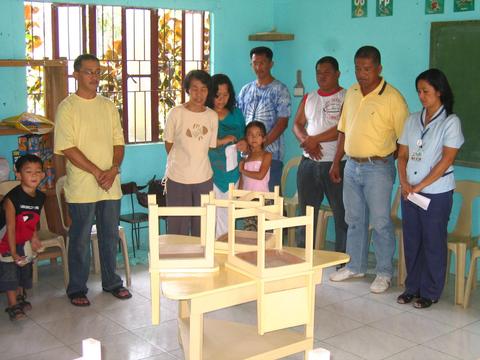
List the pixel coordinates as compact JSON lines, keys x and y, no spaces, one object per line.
{"x":15,"y":312}
{"x":24,"y":304}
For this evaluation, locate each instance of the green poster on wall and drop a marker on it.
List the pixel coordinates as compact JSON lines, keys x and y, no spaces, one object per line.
{"x":434,"y":6}
{"x":463,"y":5}
{"x":359,"y":8}
{"x":384,"y":7}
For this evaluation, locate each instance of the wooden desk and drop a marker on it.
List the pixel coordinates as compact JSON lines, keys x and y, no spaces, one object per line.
{"x":216,"y":339}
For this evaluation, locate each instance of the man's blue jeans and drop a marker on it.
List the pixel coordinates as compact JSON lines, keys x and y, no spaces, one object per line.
{"x":367,"y":190}
{"x":105,"y":214}
{"x":276,"y":169}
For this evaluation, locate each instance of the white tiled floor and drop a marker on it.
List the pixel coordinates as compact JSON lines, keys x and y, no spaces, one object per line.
{"x":349,"y":321}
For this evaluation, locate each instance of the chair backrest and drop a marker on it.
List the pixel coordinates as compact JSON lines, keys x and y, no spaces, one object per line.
{"x":469,"y":190}
{"x":8,"y":185}
{"x":292,"y":163}
{"x":60,"y":195}
{"x":131,"y":190}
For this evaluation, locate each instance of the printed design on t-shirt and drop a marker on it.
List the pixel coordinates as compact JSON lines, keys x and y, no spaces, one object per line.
{"x":197,"y":132}
{"x":332,"y":109}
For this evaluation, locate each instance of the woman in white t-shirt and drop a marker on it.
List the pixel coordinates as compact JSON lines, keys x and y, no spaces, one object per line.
{"x":190,"y":130}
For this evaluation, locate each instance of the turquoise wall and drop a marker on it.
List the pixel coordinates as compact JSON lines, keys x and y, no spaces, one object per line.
{"x":321,"y":27}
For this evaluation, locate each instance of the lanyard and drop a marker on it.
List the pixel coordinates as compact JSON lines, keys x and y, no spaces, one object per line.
{"x":424,"y":131}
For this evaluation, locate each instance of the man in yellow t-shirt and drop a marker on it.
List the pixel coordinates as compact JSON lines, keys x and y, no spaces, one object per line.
{"x":89,"y":134}
{"x":371,"y":122}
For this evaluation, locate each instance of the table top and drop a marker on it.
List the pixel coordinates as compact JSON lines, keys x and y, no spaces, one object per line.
{"x":182,"y":286}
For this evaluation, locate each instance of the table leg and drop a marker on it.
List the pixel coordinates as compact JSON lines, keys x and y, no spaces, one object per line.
{"x":155,"y":294}
{"x":196,"y":334}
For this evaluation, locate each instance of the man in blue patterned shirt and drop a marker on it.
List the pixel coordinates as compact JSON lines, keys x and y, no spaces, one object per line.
{"x":267,"y":100}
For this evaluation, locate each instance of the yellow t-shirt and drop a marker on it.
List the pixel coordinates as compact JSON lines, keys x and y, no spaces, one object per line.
{"x":192,"y":134}
{"x":372,"y":123}
{"x":93,"y":126}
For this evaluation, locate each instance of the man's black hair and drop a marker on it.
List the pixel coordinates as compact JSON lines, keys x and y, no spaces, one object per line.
{"x":328,"y":60}
{"x":369,"y":52}
{"x":262,"y":50}
{"x":77,"y":64}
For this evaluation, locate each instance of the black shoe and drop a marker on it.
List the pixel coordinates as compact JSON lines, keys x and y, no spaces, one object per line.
{"x":423,"y":303}
{"x":406,"y":298}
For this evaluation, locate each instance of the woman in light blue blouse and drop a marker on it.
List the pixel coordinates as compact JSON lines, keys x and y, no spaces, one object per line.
{"x":428,"y":147}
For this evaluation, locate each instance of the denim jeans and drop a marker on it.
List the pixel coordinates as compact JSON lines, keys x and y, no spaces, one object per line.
{"x":106,"y":214}
{"x":313,"y":183}
{"x":367,"y":189}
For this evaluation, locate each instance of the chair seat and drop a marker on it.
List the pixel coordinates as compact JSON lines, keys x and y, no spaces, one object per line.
{"x":134,"y":218}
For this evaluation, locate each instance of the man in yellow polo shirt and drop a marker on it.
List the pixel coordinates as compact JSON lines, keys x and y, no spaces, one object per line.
{"x":89,"y":134}
{"x":371,"y":122}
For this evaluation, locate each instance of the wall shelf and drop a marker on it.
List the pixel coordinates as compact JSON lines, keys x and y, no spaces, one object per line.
{"x":271,"y":36}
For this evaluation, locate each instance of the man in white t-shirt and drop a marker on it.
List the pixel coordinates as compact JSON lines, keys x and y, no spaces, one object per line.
{"x":316,"y":129}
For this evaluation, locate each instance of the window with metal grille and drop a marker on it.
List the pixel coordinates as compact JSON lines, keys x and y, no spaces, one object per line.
{"x":144,"y":55}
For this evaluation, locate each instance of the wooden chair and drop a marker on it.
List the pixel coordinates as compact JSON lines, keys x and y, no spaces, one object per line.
{"x":93,"y":236}
{"x":134,"y":218}
{"x":245,"y":240}
{"x":461,"y":238}
{"x":285,"y":288}
{"x":290,"y":203}
{"x":178,"y":253}
{"x":53,"y":245}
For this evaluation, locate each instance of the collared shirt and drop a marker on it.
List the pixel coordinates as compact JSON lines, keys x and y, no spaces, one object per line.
{"x":266,"y":103}
{"x":372,"y":123}
{"x":425,"y":147}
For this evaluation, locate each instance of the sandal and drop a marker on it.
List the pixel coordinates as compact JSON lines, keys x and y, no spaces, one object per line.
{"x":22,"y":302}
{"x":120,"y":292}
{"x":406,"y":298}
{"x":423,"y":303}
{"x":79,"y":299}
{"x":15,"y":313}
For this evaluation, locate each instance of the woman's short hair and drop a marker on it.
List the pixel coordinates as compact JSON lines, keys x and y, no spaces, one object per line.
{"x":437,"y":79}
{"x":200,"y":75}
{"x":217,"y":80}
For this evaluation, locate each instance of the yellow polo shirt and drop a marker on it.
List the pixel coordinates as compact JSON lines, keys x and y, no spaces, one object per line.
{"x":372,"y":123}
{"x":93,"y":126}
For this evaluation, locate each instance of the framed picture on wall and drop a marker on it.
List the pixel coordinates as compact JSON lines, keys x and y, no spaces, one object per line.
{"x":359,"y":8}
{"x":463,"y":5}
{"x":434,"y":6}
{"x":384,"y":7}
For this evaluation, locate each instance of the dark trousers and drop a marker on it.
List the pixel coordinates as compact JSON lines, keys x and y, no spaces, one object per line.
{"x":276,"y":169}
{"x":313,"y":183}
{"x":425,"y":244}
{"x":185,"y":195}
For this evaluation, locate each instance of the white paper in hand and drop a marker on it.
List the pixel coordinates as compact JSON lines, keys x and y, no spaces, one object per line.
{"x":231,"y":155}
{"x":419,"y":200}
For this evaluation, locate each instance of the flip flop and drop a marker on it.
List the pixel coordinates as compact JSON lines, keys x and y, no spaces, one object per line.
{"x":79,"y":299}
{"x":120,"y":292}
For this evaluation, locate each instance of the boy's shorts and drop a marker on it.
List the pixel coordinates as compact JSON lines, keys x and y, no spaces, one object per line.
{"x":13,"y":276}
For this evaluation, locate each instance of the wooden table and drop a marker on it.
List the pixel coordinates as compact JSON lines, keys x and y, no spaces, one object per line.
{"x":216,"y":339}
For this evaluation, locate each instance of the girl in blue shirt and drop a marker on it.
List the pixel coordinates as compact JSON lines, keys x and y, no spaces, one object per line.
{"x":427,"y":149}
